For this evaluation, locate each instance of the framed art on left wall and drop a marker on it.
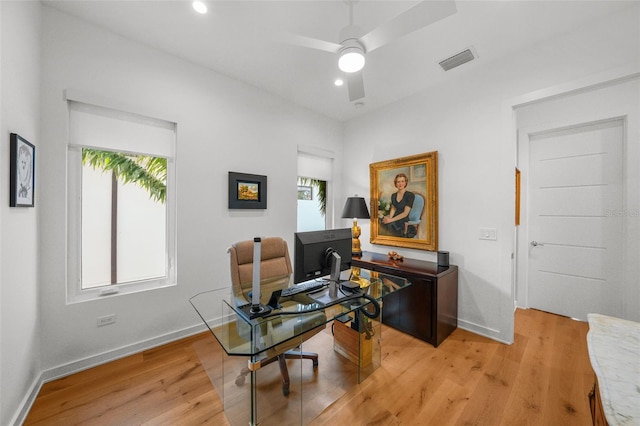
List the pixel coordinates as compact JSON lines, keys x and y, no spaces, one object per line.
{"x":22,"y":169}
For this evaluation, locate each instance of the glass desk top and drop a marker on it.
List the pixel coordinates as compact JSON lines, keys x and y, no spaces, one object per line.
{"x":293,"y":316}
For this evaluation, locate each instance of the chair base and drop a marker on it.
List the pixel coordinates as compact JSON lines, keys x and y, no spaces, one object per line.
{"x":282,"y":363}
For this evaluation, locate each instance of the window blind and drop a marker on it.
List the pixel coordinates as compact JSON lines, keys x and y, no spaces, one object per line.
{"x":105,"y":128}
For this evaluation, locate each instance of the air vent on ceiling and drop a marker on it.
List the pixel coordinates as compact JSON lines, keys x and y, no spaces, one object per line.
{"x":457,"y":59}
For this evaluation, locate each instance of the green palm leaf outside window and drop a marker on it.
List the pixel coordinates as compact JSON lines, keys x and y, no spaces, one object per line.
{"x":150,"y":173}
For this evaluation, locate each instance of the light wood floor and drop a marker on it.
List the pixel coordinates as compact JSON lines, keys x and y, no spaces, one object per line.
{"x":542,"y":379}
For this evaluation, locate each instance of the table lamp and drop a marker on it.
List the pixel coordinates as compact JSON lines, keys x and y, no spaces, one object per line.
{"x":357,"y":209}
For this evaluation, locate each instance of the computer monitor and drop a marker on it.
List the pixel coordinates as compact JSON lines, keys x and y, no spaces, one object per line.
{"x":315,"y":253}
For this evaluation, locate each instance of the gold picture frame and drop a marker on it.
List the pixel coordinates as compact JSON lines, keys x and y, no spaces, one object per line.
{"x":421,"y":230}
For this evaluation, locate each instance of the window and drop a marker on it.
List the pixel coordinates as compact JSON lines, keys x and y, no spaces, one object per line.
{"x":312,"y":205}
{"x":315,"y":169}
{"x":121,"y":202}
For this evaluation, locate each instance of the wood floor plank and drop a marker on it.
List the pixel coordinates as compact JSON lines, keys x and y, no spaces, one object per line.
{"x":488,"y":401}
{"x":567,"y":383}
{"x":526,"y":399}
{"x":542,"y":379}
{"x":103,"y":393}
{"x":447,"y":404}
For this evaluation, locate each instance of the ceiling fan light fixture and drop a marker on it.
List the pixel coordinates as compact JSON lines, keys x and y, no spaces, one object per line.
{"x":351,"y":56}
{"x":351,"y":59}
{"x":199,"y":6}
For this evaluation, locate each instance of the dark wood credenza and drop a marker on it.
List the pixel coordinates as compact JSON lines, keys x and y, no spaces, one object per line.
{"x":428,"y":308}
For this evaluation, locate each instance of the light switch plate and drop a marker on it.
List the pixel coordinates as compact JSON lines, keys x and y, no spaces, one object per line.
{"x":488,"y":234}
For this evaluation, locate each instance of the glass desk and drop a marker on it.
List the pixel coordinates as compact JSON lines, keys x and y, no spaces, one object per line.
{"x":348,"y":349}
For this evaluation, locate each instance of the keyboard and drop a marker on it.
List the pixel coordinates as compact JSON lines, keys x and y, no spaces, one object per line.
{"x":306,"y":287}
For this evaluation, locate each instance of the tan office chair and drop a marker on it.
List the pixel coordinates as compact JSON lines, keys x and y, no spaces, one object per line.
{"x":275,"y":274}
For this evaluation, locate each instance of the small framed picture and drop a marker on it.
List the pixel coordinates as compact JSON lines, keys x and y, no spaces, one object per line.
{"x":247,"y":191}
{"x":305,"y":193}
{"x":22,"y":170}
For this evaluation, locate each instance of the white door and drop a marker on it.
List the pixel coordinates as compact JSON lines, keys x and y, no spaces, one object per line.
{"x":576,"y":219}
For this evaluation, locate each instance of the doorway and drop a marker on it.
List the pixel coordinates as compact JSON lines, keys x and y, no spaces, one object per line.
{"x":579,"y":235}
{"x":575,"y":194}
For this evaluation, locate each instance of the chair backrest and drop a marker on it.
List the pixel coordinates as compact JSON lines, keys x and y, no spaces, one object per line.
{"x":416,"y":210}
{"x":275,"y":267}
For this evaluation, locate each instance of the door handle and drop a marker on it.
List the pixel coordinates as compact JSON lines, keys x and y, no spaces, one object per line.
{"x":535,"y":244}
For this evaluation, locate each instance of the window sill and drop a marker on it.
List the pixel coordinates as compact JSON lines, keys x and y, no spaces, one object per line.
{"x":105,"y":292}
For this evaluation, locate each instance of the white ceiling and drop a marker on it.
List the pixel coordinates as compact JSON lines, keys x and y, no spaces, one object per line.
{"x":239,"y":39}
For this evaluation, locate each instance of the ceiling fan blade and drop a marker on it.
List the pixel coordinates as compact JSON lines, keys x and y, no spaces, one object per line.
{"x":355,"y":86}
{"x":419,"y":16}
{"x":304,"y":41}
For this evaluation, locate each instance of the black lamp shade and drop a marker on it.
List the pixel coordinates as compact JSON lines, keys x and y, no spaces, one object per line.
{"x":355,"y":208}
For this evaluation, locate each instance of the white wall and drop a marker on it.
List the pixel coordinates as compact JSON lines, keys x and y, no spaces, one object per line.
{"x":19,"y":109}
{"x":222,"y":125}
{"x":464,"y":121}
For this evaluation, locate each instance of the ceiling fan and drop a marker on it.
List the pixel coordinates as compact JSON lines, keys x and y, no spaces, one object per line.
{"x":353,"y":45}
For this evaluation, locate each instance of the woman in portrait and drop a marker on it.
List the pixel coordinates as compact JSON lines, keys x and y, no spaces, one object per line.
{"x":401,"y":203}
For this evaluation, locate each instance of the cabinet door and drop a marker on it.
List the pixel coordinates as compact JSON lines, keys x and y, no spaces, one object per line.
{"x":392,"y":309}
{"x":417,"y":308}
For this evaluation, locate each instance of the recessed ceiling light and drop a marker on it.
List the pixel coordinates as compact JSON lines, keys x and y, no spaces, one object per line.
{"x":199,"y":7}
{"x":339,"y":82}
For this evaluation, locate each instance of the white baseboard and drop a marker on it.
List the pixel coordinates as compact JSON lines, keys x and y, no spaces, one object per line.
{"x":93,"y":361}
{"x":490,"y":333}
{"x":27,"y":402}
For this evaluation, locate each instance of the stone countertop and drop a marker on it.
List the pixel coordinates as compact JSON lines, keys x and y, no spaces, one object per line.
{"x":614,"y":350}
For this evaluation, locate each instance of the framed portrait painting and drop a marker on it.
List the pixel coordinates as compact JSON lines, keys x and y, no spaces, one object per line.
{"x":404,"y":202}
{"x":22,"y":169}
{"x":247,"y":191}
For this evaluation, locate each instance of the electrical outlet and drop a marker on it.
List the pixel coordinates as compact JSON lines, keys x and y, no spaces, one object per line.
{"x":106,"y":320}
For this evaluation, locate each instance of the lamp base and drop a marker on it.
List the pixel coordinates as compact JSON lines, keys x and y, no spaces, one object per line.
{"x":355,"y":247}
{"x":355,"y":240}
{"x":250,"y":311}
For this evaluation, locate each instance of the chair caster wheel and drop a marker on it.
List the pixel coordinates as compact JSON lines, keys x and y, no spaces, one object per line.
{"x":315,"y":364}
{"x":285,"y":392}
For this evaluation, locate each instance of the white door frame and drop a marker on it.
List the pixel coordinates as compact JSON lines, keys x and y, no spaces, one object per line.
{"x":511,"y":137}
